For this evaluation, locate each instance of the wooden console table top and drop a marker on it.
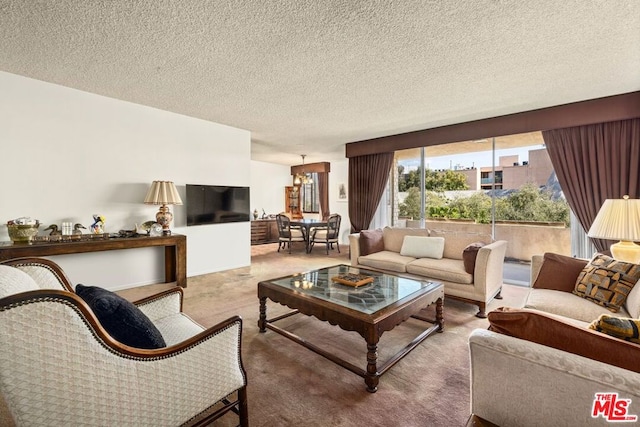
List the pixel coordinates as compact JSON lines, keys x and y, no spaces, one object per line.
{"x":175,"y":250}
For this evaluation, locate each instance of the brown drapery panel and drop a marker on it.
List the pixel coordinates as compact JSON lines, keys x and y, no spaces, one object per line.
{"x":323,"y":193}
{"x":368,"y":177}
{"x":594,"y":163}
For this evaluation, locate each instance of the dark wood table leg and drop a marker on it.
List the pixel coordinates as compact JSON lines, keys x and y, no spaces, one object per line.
{"x":439,"y":316}
{"x":262,"y":320}
{"x":372,"y":377}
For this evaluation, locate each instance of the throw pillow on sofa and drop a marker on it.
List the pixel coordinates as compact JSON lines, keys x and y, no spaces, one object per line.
{"x":607,"y":281}
{"x":619,"y":327}
{"x":422,"y":247}
{"x":121,"y":318}
{"x":559,"y":272}
{"x":553,"y":331}
{"x":469,"y":255}
{"x":371,"y":242}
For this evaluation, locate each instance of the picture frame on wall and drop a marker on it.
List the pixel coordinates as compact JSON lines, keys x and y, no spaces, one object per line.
{"x":343,"y":192}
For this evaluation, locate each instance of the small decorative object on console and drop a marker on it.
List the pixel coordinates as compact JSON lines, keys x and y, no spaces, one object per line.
{"x":351,"y":279}
{"x":155,"y":230}
{"x":23,"y":229}
{"x":98,"y":224}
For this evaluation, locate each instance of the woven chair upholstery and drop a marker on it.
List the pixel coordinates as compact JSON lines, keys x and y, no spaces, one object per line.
{"x":58,"y":366}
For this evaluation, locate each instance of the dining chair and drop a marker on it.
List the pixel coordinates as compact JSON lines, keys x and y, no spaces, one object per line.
{"x":327,"y":235}
{"x":286,"y":234}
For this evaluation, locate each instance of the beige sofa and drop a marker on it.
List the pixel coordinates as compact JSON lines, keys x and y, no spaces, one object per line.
{"x":478,"y":287}
{"x":547,"y":366}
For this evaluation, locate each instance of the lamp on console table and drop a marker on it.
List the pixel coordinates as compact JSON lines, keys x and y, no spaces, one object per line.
{"x":619,"y":219}
{"x":163,"y":193}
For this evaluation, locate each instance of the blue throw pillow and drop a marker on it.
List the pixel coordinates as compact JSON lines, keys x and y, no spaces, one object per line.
{"x":121,"y":318}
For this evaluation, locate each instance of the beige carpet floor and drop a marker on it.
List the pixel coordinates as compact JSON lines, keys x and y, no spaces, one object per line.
{"x":289,"y":385}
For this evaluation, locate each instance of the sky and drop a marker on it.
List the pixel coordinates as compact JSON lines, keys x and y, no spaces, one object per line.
{"x":468,"y":160}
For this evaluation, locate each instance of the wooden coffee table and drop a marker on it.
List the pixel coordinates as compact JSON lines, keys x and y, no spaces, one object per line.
{"x":369,"y":310}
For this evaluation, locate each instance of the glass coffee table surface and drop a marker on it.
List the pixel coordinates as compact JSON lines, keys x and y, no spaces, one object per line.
{"x":368,"y":298}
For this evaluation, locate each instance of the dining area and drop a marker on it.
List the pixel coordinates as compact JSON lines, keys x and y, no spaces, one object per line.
{"x":305,"y":233}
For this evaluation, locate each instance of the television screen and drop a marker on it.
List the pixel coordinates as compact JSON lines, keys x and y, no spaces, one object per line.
{"x":214,"y":204}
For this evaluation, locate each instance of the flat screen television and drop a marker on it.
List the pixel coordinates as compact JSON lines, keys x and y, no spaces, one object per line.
{"x":215,"y":204}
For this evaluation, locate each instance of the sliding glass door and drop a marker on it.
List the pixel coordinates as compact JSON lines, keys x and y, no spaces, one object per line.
{"x":504,"y":187}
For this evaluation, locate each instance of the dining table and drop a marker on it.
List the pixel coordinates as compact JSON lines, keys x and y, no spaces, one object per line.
{"x":307,"y":224}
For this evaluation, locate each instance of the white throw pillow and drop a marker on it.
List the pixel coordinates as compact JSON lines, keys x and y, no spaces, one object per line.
{"x":422,"y":247}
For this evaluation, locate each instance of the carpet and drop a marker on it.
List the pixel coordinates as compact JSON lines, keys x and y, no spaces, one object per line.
{"x":289,"y":385}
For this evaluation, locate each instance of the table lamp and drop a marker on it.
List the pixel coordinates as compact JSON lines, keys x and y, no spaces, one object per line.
{"x":619,"y":219}
{"x":163,"y":193}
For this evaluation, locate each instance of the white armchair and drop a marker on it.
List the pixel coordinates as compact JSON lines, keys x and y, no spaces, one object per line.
{"x":59,"y":366}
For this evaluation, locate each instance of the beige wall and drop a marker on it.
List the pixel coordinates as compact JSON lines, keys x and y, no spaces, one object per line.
{"x":524,"y":240}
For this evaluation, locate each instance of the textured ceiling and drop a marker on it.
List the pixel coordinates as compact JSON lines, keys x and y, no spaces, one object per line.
{"x":308,"y":76}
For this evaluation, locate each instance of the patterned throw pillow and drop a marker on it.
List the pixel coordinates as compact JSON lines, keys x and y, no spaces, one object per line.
{"x":607,"y":281}
{"x":619,"y":327}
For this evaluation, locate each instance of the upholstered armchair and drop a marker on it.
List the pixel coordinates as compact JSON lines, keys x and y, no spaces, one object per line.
{"x":288,"y":234}
{"x":59,"y":365}
{"x":327,"y":235}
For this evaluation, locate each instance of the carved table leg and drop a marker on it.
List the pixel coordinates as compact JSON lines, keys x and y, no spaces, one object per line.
{"x":439,"y":316}
{"x":372,"y":377}
{"x":262,"y":321}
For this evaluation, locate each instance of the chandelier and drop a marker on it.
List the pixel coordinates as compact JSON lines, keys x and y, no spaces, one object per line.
{"x":302,"y":178}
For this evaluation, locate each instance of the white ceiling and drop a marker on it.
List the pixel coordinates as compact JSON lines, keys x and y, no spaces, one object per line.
{"x":308,"y":76}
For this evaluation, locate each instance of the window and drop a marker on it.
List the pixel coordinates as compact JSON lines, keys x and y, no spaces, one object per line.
{"x":310,"y":196}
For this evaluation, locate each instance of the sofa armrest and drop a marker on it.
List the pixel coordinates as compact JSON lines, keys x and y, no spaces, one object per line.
{"x":518,"y":382}
{"x":354,"y":248}
{"x":536,"y":265}
{"x":487,"y":275}
{"x":162,"y":304}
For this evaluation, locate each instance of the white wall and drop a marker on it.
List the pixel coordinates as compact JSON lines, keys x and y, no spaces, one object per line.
{"x":68,"y":154}
{"x":340,"y":174}
{"x":267,"y":186}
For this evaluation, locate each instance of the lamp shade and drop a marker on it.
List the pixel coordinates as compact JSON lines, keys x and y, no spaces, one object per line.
{"x":163,"y":193}
{"x":618,"y":219}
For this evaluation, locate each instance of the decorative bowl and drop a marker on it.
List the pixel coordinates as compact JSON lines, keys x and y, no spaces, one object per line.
{"x":22,"y":233}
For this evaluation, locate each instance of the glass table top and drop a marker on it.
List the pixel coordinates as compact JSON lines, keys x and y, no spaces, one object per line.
{"x":369,"y":298}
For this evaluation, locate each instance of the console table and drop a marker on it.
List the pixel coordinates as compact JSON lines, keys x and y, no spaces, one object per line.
{"x":175,"y":251}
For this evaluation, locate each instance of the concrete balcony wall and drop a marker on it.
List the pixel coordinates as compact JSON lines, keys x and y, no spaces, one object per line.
{"x":524,"y":239}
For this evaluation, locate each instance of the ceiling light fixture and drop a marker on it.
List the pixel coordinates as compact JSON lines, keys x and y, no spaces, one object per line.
{"x":302,"y":178}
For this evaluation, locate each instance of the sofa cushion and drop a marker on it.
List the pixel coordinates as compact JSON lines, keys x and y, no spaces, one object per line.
{"x":371,"y":241}
{"x":422,"y":247}
{"x":394,"y":236}
{"x":619,"y":327}
{"x":386,"y":260}
{"x":121,"y":318}
{"x":455,"y":242}
{"x":559,"y":272}
{"x":450,"y":270}
{"x":566,"y":304}
{"x":607,"y":281}
{"x":469,"y":255}
{"x":556,"y":332}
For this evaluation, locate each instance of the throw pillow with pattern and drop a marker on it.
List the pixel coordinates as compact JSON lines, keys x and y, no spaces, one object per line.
{"x":619,"y":327}
{"x":607,"y":281}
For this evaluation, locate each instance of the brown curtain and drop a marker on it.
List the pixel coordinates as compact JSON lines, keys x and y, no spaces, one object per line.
{"x":368,"y":177}
{"x":323,"y":193}
{"x":594,"y":163}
